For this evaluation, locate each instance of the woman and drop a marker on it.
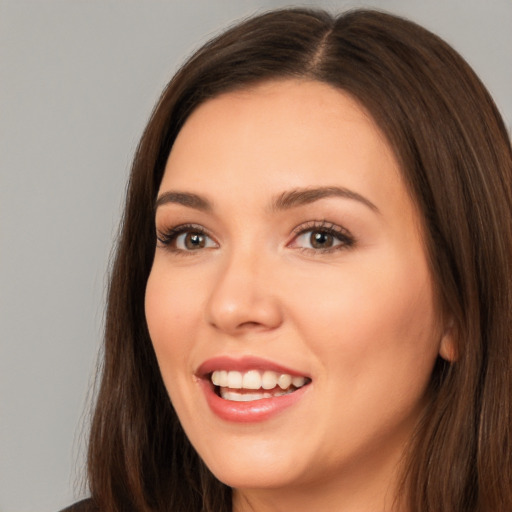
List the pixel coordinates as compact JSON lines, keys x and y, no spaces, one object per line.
{"x":310,"y":304}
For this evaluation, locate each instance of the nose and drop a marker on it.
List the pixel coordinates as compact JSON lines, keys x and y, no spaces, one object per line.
{"x":243,"y":297}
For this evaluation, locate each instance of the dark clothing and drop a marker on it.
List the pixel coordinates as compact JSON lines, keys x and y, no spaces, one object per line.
{"x":82,"y":506}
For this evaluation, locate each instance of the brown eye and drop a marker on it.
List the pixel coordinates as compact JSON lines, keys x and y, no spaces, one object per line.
{"x":183,"y":239}
{"x":193,"y":241}
{"x":321,"y":240}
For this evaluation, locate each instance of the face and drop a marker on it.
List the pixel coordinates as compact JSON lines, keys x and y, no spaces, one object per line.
{"x":290,"y":303}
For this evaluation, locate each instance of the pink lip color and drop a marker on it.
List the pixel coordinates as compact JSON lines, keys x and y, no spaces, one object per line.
{"x":245,"y":412}
{"x":249,"y":412}
{"x":242,"y":365}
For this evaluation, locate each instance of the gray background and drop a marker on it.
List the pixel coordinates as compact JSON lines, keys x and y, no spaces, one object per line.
{"x":77,"y":82}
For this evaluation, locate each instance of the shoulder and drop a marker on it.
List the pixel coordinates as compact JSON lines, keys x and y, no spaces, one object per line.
{"x":82,"y":506}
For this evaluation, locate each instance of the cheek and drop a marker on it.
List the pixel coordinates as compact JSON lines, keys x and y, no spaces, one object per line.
{"x":171,"y":314}
{"x":372,"y":318}
{"x":375,"y":334}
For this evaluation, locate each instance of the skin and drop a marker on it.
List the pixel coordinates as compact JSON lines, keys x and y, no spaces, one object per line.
{"x":360,"y":319}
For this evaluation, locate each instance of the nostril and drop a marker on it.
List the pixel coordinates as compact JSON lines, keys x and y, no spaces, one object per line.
{"x":250,"y":325}
{"x":251,"y":318}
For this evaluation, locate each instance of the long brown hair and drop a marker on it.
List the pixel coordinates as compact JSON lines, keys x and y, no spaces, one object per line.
{"x":456,"y":159}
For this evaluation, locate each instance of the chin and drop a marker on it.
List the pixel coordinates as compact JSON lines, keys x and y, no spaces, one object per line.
{"x":255,"y":477}
{"x":259,"y":467}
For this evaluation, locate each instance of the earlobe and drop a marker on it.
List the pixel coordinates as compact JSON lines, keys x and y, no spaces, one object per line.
{"x":448,"y":346}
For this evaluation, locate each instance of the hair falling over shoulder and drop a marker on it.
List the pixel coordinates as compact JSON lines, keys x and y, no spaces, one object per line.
{"x":456,"y":159}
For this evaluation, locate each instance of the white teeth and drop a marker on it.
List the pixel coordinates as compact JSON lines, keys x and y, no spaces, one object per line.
{"x":220,"y":378}
{"x":269,"y":380}
{"x":236,"y":396}
{"x":223,"y":378}
{"x":298,"y":382}
{"x":254,"y":379}
{"x":284,"y":381}
{"x":235,"y":380}
{"x":251,"y":380}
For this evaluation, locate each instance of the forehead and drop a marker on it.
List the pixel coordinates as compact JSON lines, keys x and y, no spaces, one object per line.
{"x":300,"y":106}
{"x":279,"y":126}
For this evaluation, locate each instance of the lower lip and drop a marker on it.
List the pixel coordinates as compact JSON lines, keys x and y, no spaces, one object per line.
{"x":249,"y":412}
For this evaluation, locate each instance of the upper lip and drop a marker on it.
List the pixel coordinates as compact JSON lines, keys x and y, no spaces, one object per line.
{"x":244,"y":364}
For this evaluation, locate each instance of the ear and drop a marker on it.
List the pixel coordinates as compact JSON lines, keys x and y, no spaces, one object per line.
{"x":448,"y":345}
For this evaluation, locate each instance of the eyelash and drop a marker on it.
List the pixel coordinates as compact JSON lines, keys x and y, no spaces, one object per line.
{"x":168,"y":238}
{"x":324,"y":227}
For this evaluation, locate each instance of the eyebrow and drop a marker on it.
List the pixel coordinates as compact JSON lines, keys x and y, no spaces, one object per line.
{"x":287,"y":200}
{"x":186,"y":199}
{"x":302,"y":196}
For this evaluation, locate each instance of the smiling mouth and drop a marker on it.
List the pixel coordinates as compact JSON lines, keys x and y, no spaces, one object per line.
{"x":254,"y":384}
